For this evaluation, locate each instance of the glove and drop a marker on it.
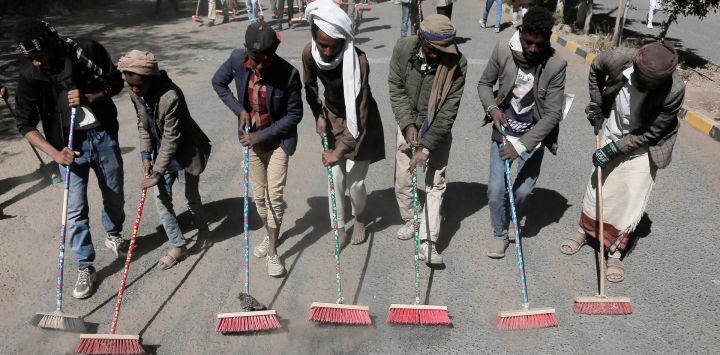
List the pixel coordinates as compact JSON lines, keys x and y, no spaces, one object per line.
{"x":595,"y":116}
{"x":603,"y":156}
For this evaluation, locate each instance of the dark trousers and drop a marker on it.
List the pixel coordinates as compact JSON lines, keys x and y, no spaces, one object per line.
{"x":445,"y":10}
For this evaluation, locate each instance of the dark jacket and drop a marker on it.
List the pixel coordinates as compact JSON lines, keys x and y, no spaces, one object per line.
{"x":283,"y":97}
{"x":179,"y":136}
{"x":548,"y":90}
{"x":660,"y":108}
{"x":410,"y":92}
{"x":370,"y":143}
{"x":37,"y":99}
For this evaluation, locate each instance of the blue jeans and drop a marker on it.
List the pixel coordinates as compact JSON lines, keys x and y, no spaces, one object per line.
{"x":409,"y":14}
{"x":100,"y":152}
{"x":498,"y":11}
{"x":252,"y":7}
{"x":528,"y":171}
{"x":189,"y":186}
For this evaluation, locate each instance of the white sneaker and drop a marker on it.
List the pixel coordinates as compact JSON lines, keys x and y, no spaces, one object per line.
{"x":482,"y":23}
{"x":650,"y":25}
{"x":275,"y":266}
{"x":430,"y":256}
{"x":406,"y":230}
{"x":261,"y":249}
{"x":116,"y":244}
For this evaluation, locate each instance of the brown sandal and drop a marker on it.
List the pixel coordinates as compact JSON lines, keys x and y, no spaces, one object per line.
{"x":615,"y":271}
{"x":573,"y":244}
{"x":170,"y":260}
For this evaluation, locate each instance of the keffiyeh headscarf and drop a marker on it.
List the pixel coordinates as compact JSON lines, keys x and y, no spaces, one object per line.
{"x":77,"y":54}
{"x":439,"y":32}
{"x":332,"y":20}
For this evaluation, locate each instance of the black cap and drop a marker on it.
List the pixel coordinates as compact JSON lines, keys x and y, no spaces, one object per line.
{"x":261,"y":38}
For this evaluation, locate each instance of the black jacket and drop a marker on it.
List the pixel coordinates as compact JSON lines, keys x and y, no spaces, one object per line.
{"x":36,"y":98}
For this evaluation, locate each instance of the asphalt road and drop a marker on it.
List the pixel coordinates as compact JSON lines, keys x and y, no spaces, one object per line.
{"x":692,"y":33}
{"x":672,"y":275}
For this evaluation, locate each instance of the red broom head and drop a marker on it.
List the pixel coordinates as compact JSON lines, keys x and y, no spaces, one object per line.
{"x":610,"y":308}
{"x":532,"y":321}
{"x":422,"y":316}
{"x":114,"y":346}
{"x":338,"y":314}
{"x":247,"y":323}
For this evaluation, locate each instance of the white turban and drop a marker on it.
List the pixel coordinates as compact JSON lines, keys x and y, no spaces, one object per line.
{"x":334,"y":22}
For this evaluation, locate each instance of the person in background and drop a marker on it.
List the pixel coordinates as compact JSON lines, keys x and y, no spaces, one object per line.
{"x":486,"y":13}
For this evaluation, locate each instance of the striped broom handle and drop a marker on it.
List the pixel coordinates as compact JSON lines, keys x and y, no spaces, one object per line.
{"x":116,"y":313}
{"x":518,"y":246}
{"x":63,"y":219}
{"x":333,"y":216}
{"x":246,"y":252}
{"x":601,"y":222}
{"x":416,"y":226}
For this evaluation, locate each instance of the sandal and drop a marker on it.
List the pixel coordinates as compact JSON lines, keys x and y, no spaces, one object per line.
{"x":170,"y":260}
{"x":573,"y":244}
{"x":615,"y":271}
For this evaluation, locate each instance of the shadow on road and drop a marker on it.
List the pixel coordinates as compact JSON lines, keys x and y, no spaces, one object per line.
{"x":462,"y":199}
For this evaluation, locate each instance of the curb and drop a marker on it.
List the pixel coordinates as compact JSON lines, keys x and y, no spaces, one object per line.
{"x":698,"y":121}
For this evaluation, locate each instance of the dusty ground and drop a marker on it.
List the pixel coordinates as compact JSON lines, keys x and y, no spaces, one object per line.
{"x":672,"y":275}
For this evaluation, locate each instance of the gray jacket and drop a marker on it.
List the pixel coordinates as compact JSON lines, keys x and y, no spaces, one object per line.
{"x":660,"y":108}
{"x":548,"y":89}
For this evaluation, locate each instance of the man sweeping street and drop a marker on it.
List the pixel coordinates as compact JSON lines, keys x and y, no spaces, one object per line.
{"x":348,"y":115}
{"x":635,"y":96}
{"x":426,"y":80}
{"x":173,"y":147}
{"x":56,"y":74}
{"x":528,"y":107}
{"x":269,"y":104}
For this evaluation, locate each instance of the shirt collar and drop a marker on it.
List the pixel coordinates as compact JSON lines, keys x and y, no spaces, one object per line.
{"x":627,"y":73}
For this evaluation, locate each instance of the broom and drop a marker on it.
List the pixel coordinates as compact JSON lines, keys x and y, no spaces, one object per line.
{"x":116,"y":343}
{"x":337,"y":313}
{"x":525,"y":318}
{"x":54,"y":177}
{"x":254,"y":316}
{"x":417,"y":313}
{"x":196,"y":18}
{"x":58,"y":319}
{"x":601,"y":304}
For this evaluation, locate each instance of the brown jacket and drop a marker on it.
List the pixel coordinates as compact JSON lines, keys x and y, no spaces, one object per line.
{"x":660,"y":108}
{"x":370,"y":143}
{"x":180,"y":137}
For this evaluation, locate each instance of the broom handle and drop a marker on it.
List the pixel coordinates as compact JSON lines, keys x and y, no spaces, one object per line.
{"x":246,"y":254}
{"x":518,"y":244}
{"x":63,"y":219}
{"x":416,"y":226}
{"x":600,"y":218}
{"x":333,"y":216}
{"x":116,"y":313}
{"x":197,"y":8}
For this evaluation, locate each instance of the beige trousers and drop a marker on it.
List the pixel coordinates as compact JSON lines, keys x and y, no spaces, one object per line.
{"x":268,"y":174}
{"x":434,"y":181}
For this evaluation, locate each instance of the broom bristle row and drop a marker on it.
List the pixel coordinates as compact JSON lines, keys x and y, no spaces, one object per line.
{"x":109,"y":346}
{"x":533,"y":321}
{"x":339,"y":316}
{"x":247,"y":323}
{"x":609,"y":308}
{"x":418,"y":316}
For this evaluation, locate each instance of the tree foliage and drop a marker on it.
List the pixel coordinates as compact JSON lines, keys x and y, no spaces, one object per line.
{"x":676,"y":9}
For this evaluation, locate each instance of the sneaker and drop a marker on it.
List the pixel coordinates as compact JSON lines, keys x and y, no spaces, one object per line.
{"x":649,"y":25}
{"x":497,"y":29}
{"x":482,"y":23}
{"x":116,"y":244}
{"x":429,"y":254}
{"x":84,"y":285}
{"x":210,"y":23}
{"x":261,"y":249}
{"x":275,"y":266}
{"x":497,"y":246}
{"x":406,"y":230}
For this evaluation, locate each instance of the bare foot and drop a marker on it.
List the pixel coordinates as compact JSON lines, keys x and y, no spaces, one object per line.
{"x":358,"y":235}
